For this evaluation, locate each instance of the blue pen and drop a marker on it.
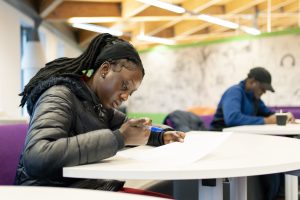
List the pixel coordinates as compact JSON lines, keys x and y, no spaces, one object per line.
{"x":155,"y":129}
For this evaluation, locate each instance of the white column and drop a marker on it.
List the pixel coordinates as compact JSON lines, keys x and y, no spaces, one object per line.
{"x":33,"y":60}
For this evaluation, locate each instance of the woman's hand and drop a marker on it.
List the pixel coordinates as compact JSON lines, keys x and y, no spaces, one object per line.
{"x":173,"y":136}
{"x":135,"y":132}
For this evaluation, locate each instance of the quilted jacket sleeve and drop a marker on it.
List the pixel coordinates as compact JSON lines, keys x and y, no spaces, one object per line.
{"x":50,"y":145}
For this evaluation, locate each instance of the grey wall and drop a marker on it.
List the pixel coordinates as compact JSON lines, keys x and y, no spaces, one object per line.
{"x":197,"y":76}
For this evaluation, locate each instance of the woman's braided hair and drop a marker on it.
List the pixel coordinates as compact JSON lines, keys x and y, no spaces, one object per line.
{"x":76,"y":67}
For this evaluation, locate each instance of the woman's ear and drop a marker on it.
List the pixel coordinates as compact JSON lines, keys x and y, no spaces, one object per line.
{"x":104,"y":69}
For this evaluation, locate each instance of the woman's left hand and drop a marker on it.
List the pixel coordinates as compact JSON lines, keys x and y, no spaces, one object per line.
{"x":173,"y":136}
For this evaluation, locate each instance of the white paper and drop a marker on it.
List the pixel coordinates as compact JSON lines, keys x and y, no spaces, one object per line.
{"x":194,"y":147}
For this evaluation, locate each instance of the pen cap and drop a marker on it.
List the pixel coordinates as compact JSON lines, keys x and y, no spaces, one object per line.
{"x":155,"y":129}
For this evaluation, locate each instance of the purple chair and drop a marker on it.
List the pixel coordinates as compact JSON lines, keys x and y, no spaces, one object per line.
{"x":12,"y":138}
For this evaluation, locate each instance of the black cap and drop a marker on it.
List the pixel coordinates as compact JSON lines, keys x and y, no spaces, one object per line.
{"x":263,"y":76}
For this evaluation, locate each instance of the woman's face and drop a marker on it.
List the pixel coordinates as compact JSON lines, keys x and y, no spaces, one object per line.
{"x":114,"y":83}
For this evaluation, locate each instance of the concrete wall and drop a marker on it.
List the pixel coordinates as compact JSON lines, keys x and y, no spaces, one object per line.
{"x":181,"y":78}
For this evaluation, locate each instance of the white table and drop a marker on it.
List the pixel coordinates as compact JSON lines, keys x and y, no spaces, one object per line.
{"x":267,"y":129}
{"x":291,"y":182}
{"x":52,"y":193}
{"x":240,"y":156}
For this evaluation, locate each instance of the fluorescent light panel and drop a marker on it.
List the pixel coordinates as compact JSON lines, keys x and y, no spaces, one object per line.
{"x":155,"y":39}
{"x":164,"y":5}
{"x":218,"y":21}
{"x":98,"y":29}
{"x":93,"y":19}
{"x":250,"y":30}
{"x":221,"y":22}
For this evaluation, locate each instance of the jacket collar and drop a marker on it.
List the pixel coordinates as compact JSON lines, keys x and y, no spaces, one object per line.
{"x":75,"y":84}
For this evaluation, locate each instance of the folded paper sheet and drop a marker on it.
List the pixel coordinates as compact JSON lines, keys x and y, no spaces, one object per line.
{"x":195,"y":146}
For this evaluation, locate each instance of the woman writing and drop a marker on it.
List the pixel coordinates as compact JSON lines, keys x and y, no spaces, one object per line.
{"x":72,"y":103}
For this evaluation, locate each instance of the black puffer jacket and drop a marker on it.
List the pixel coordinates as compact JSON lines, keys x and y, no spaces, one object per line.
{"x":68,"y":127}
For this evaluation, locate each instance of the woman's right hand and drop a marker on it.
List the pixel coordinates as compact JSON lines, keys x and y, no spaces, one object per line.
{"x":134,"y":131}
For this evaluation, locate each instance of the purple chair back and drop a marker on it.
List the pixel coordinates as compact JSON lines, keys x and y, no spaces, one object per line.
{"x":12,"y":138}
{"x":293,"y":109}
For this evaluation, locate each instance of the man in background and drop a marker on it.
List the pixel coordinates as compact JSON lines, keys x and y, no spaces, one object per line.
{"x":241,"y":104}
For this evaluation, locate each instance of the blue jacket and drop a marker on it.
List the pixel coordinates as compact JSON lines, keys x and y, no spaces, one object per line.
{"x":239,"y":107}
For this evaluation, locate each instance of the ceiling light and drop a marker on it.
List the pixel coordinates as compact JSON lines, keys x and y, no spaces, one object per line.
{"x":250,"y":30}
{"x":218,"y":21}
{"x":93,"y":19}
{"x":155,"y":39}
{"x":164,"y":5}
{"x":98,"y":29}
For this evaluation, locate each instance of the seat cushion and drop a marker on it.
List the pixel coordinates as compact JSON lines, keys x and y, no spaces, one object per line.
{"x":12,"y":138}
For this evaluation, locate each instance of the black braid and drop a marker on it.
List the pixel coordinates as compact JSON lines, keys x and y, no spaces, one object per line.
{"x":72,"y":66}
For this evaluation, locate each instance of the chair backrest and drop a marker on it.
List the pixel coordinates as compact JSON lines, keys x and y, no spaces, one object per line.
{"x":12,"y":138}
{"x":293,"y":109}
{"x":199,"y":110}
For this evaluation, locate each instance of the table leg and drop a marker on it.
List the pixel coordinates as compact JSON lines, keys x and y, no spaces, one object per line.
{"x":291,"y":187}
{"x":185,"y":189}
{"x":238,"y":188}
{"x":211,"y":192}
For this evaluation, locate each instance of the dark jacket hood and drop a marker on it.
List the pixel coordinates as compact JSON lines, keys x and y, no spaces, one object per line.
{"x":75,"y":84}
